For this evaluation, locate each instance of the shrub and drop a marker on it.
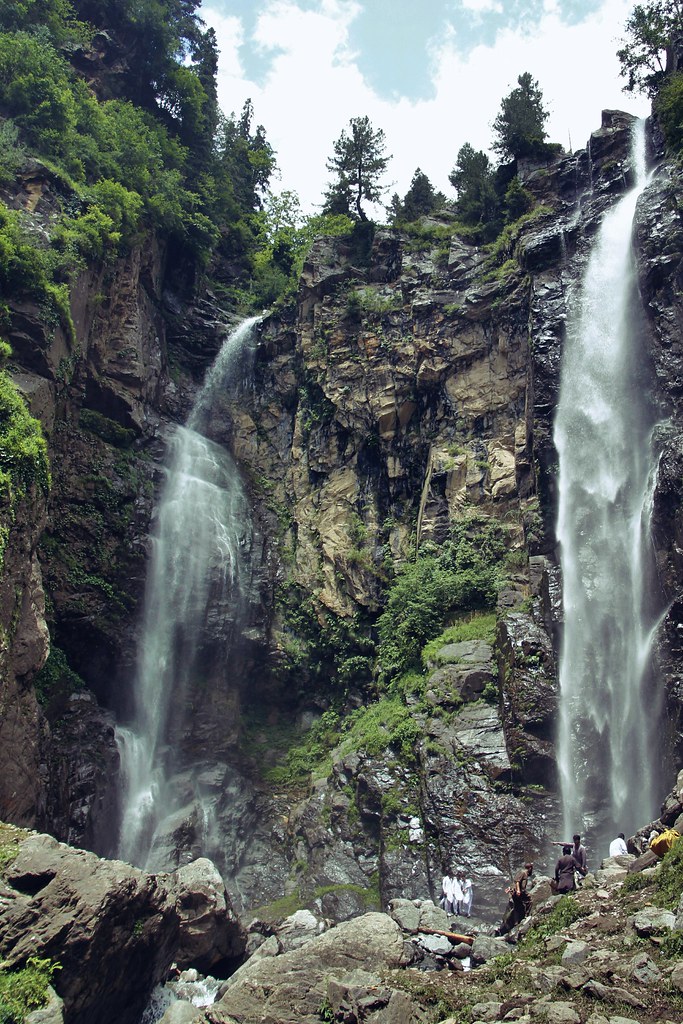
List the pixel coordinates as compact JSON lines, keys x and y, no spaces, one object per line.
{"x":23,"y":450}
{"x":669,"y":108}
{"x":670,"y":878}
{"x":25,"y":990}
{"x":464,"y":575}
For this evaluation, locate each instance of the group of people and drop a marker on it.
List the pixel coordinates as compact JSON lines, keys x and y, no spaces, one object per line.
{"x":571,"y":862}
{"x":456,"y":893}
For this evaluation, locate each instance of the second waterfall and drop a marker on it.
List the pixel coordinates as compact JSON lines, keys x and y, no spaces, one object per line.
{"x":603,"y":434}
{"x":195,"y":595}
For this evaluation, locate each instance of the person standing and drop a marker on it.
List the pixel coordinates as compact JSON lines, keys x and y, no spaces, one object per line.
{"x":467,"y":893}
{"x":452,"y":894}
{"x":566,"y":865}
{"x":579,"y":853}
{"x":520,"y":900}
{"x":618,"y":846}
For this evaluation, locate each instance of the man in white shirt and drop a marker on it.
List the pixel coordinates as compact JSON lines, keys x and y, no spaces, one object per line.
{"x":618,"y":846}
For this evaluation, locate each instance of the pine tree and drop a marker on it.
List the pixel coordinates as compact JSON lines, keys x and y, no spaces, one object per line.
{"x":359,"y":161}
{"x":519,"y":126}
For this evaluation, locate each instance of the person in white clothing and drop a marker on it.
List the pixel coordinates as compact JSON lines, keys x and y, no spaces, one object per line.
{"x":452,"y":893}
{"x":618,"y":846}
{"x":467,"y":894}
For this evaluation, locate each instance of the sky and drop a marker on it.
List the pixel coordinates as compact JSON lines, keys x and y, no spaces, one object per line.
{"x":430,"y":73}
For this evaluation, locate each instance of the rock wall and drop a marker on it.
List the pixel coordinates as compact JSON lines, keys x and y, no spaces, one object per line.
{"x":412,"y":387}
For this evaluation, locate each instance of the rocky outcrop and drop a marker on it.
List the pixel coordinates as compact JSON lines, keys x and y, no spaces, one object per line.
{"x":114,"y":930}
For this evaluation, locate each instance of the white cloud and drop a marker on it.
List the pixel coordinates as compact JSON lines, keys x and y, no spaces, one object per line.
{"x":314,"y":86}
{"x":479,"y":6}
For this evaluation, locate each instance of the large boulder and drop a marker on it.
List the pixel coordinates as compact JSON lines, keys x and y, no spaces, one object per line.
{"x":295,"y":985}
{"x":114,"y":929}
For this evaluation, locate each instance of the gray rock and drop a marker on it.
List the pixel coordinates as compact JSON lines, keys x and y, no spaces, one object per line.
{"x":51,"y":1013}
{"x":113,"y":928}
{"x":432,"y":916}
{"x":557,"y":1012}
{"x":269,"y":989}
{"x":406,"y":914}
{"x":575,"y":952}
{"x":677,"y":975}
{"x":611,"y":994}
{"x":653,"y":921}
{"x":486,"y":1011}
{"x":644,"y":970}
{"x":436,"y":944}
{"x":181,"y":1012}
{"x":209,"y":929}
{"x":486,"y":947}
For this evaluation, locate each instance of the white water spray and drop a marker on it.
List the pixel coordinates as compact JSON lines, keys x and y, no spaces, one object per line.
{"x":606,"y":478}
{"x":196,"y":583}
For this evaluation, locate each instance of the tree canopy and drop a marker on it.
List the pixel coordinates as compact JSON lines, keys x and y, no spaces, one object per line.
{"x":359,"y":162}
{"x":653,"y":47}
{"x":519,"y":125}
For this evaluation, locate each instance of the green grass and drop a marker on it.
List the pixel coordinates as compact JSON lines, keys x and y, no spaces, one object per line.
{"x":479,"y":626}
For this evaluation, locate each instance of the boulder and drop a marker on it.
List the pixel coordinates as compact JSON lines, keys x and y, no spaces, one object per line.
{"x":209,"y":929}
{"x":295,"y":985}
{"x":113,"y":928}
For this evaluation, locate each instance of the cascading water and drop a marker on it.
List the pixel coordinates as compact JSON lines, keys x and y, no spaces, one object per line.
{"x":195,"y":590}
{"x":603,"y":434}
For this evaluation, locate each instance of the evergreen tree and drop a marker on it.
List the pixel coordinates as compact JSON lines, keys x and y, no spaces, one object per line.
{"x":654,"y":45}
{"x":473,"y":178}
{"x":421,"y":198}
{"x":519,"y":125}
{"x":359,"y":161}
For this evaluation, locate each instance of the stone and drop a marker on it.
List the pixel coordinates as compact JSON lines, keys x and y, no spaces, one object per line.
{"x":558,"y":1012}
{"x":676,"y":975}
{"x":575,"y":952}
{"x":406,"y":914}
{"x":486,"y":947}
{"x":653,"y":921}
{"x":209,"y":929}
{"x":611,"y":994}
{"x":644,"y":970}
{"x":113,"y":928}
{"x":486,"y":1011}
{"x":51,"y":1013}
{"x":299,"y":978}
{"x":180,"y":1012}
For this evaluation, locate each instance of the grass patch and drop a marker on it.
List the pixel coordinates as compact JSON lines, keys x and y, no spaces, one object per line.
{"x":11,"y":838}
{"x":565,"y":912}
{"x":670,"y":878}
{"x":25,"y":990}
{"x":476,"y":627}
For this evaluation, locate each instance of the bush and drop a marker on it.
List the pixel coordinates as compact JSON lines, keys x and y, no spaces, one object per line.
{"x":669,"y":109}
{"x":23,"y":450}
{"x":25,"y":990}
{"x":430,"y":592}
{"x":670,"y":878}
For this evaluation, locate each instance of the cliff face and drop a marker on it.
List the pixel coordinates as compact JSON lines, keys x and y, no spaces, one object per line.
{"x":410,"y":394}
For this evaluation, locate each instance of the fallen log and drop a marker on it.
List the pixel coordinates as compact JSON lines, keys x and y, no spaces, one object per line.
{"x":469,"y":939}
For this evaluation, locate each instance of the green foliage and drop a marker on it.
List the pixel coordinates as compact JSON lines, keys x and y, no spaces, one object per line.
{"x":653,"y":29}
{"x":670,"y":878}
{"x":56,"y":680}
{"x":669,"y":108}
{"x":109,"y":430}
{"x":25,"y":990}
{"x":332,"y":652}
{"x":12,"y":153}
{"x":478,"y":203}
{"x":519,"y":126}
{"x":480,"y":626}
{"x":358,"y":163}
{"x":420,"y":200}
{"x":635,"y":881}
{"x":564,"y":913}
{"x":464,"y":575}
{"x":23,"y":450}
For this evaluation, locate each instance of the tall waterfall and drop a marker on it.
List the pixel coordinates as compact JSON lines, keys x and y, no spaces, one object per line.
{"x":195,"y":590}
{"x":606,"y":479}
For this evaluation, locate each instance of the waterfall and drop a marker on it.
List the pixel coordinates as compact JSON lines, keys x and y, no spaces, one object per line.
{"x":195,"y":592}
{"x":603,"y":435}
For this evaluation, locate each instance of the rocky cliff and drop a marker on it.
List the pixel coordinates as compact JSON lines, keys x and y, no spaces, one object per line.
{"x":404,"y":406}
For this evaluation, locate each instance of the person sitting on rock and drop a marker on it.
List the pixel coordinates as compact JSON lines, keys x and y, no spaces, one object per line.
{"x":617,"y":847}
{"x":566,"y":865}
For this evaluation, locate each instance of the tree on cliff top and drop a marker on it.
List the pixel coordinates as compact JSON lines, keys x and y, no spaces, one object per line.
{"x":653,"y":47}
{"x":519,"y":125}
{"x":359,"y":161}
